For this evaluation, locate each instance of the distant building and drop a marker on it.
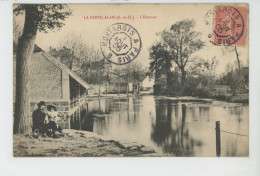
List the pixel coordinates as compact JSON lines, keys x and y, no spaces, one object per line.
{"x":51,"y":81}
{"x":147,"y":83}
{"x":132,"y":86}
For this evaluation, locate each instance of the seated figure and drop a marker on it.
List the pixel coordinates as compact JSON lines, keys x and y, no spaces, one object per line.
{"x":53,"y":118}
{"x":39,"y":118}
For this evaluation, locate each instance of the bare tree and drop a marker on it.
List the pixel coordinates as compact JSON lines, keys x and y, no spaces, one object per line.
{"x":230,"y":49}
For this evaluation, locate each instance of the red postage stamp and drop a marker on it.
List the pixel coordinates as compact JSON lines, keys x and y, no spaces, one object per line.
{"x":230,"y":25}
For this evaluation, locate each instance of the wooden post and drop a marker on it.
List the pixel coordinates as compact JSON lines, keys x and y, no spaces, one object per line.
{"x":218,"y":143}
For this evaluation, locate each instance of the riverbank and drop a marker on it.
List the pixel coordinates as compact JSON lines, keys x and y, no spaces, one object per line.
{"x":240,"y":98}
{"x":74,"y":143}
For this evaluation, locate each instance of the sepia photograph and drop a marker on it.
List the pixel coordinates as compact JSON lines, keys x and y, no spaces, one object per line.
{"x":130,"y":80}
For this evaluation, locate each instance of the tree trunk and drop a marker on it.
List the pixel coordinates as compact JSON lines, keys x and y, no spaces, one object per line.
{"x":169,"y":85}
{"x":183,"y":77}
{"x":238,"y":61}
{"x":70,"y":65}
{"x":118,"y":84}
{"x":238,"y":75}
{"x":156,"y":72}
{"x":106,"y":87}
{"x":22,"y":120}
{"x":99,"y":90}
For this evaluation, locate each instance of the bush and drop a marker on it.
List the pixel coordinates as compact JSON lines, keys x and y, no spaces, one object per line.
{"x":203,"y":93}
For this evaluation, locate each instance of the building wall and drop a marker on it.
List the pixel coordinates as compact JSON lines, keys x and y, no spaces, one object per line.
{"x":45,"y":79}
{"x":65,"y":86}
{"x":148,"y":82}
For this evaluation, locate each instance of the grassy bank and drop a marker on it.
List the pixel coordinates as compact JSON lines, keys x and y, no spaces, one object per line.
{"x":73,"y":143}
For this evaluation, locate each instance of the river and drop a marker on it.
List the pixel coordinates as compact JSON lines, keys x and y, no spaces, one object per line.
{"x":177,"y":127}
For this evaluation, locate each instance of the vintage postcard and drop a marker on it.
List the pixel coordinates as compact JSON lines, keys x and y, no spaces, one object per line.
{"x":120,"y":80}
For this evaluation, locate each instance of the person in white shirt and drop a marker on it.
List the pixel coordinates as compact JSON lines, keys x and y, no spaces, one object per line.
{"x":52,"y":119}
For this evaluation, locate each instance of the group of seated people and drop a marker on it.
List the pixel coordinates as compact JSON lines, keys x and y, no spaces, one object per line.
{"x":45,"y":123}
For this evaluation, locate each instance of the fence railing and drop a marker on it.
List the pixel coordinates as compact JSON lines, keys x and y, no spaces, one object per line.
{"x":77,"y":101}
{"x":218,"y":137}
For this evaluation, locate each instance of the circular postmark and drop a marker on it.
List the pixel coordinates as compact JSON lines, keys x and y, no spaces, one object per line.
{"x":228,"y":27}
{"x":208,"y":19}
{"x":120,"y":43}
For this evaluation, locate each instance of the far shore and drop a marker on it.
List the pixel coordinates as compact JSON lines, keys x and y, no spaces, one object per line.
{"x":226,"y":98}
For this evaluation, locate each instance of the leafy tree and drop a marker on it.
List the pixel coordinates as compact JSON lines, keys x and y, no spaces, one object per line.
{"x":203,"y":69}
{"x":134,"y":72}
{"x":236,"y":79}
{"x":200,"y":74}
{"x":160,"y":64}
{"x":37,"y":18}
{"x":177,"y":45}
{"x":181,"y":41}
{"x":160,"y":60}
{"x":67,"y":56}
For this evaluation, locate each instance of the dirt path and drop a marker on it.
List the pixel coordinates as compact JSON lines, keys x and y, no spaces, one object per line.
{"x":76,"y":144}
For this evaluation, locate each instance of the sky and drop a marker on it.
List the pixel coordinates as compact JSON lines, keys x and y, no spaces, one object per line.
{"x":91,"y":30}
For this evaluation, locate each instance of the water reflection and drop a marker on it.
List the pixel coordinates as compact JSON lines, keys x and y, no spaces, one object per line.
{"x":172,"y":136}
{"x":169,"y":126}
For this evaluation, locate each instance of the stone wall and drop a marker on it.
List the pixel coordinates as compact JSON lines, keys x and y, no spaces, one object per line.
{"x":45,"y":78}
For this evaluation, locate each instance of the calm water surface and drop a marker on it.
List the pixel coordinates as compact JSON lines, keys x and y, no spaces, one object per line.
{"x":173,"y":127}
